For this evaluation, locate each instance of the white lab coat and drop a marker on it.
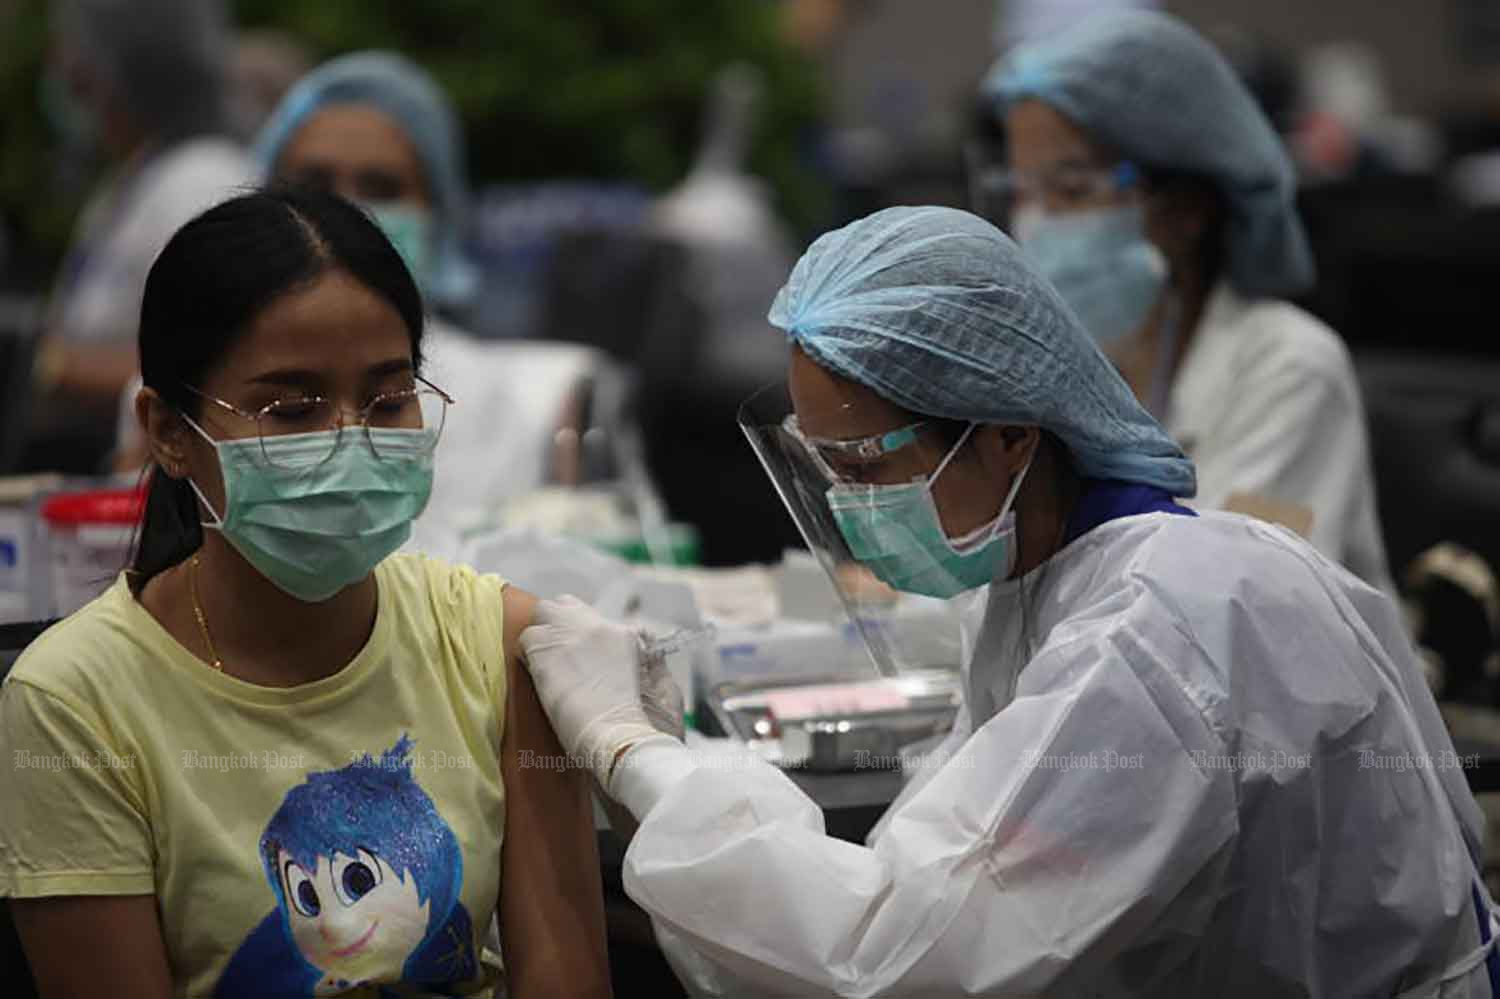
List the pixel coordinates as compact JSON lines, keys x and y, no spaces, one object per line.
{"x":1193,"y":793}
{"x":1266,"y":402}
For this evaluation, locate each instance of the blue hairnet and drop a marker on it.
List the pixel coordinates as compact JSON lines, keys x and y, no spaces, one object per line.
{"x":167,"y":60}
{"x":1148,"y":85}
{"x":938,"y":312}
{"x":406,"y":93}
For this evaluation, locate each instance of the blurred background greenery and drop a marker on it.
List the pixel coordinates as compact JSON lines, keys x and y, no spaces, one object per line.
{"x":546,"y":89}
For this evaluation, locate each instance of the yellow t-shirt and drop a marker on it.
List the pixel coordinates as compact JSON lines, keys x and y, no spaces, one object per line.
{"x":299,"y":841}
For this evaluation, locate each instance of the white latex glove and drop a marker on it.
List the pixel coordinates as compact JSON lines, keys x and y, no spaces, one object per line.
{"x":585,"y":668}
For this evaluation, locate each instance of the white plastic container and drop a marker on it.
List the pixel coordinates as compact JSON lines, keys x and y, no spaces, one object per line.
{"x":88,"y":542}
{"x":25,"y":584}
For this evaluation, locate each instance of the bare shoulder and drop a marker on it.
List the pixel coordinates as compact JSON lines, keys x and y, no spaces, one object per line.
{"x":520,"y":609}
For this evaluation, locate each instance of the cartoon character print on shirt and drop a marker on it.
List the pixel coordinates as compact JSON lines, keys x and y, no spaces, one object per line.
{"x":366,"y":877}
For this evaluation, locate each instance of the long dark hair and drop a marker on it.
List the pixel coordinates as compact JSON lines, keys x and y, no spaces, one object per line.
{"x":212,"y":279}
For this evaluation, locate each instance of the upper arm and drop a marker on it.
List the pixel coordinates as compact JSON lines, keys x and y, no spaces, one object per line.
{"x":520,"y":607}
{"x":75,"y":854}
{"x":551,"y":893}
{"x":85,"y":945}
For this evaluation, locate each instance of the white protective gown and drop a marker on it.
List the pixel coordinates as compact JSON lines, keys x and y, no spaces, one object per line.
{"x":1221,"y":775}
{"x":1266,"y":402}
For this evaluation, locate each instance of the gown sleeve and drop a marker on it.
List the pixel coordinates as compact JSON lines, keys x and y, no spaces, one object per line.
{"x":1052,"y":840}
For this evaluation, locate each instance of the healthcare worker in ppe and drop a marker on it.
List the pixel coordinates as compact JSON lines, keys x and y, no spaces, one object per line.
{"x":1190,"y":759}
{"x":376,"y":129}
{"x":1149,"y":188}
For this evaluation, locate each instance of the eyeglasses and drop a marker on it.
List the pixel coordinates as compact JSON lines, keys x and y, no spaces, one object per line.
{"x":998,"y":191}
{"x":422,"y":407}
{"x":840,"y":460}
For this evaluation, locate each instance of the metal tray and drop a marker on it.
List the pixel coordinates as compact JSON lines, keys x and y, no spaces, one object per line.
{"x":882,"y":715}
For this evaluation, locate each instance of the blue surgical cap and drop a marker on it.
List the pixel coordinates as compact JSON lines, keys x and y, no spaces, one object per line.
{"x":406,"y":93}
{"x":1148,"y":85}
{"x":939,"y":312}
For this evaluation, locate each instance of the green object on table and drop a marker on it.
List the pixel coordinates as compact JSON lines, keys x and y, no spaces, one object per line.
{"x":683,"y":546}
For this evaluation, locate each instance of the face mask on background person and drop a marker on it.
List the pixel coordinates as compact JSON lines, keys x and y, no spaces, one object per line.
{"x":316,"y":512}
{"x":409,"y":229}
{"x":895,"y":531}
{"x":1100,"y":261}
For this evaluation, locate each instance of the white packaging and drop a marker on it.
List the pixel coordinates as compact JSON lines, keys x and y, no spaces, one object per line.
{"x":791,"y":648}
{"x":25,"y":585}
{"x":89,"y":536}
{"x":85,"y":561}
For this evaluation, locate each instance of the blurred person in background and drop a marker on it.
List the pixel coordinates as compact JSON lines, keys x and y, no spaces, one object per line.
{"x":1347,"y":125}
{"x":376,"y":129}
{"x":144,"y":82}
{"x":1148,"y":186}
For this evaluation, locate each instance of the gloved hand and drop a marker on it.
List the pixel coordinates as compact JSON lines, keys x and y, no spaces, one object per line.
{"x":586,"y":668}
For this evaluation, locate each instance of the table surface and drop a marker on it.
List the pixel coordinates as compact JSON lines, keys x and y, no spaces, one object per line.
{"x":854,"y":789}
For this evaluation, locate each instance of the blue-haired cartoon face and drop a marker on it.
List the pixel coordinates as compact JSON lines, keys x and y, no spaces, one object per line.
{"x":364,"y":869}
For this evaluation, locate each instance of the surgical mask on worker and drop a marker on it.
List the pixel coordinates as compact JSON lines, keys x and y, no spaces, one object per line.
{"x":896,"y":532}
{"x":409,"y":230}
{"x":1100,"y":261}
{"x":314,"y":515}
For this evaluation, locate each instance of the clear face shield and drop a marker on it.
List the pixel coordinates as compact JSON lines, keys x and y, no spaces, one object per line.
{"x":864,"y":507}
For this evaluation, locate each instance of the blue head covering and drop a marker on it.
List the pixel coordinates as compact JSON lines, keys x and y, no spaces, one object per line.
{"x":938,"y":311}
{"x":406,"y":93}
{"x":1148,"y":85}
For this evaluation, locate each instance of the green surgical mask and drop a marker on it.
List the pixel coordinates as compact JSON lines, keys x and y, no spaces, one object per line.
{"x":410,"y":231}
{"x":314,"y":520}
{"x":896,"y":532}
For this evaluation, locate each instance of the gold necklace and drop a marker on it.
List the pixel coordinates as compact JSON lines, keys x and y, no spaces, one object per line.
{"x":213,"y":653}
